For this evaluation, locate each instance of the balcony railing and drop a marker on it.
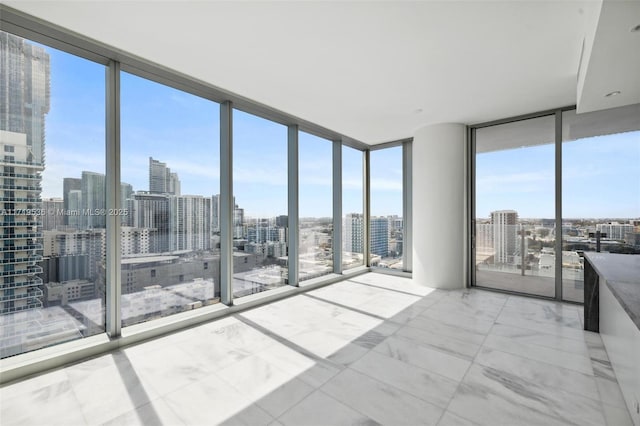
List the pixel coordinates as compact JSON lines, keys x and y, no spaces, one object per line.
{"x":31,"y":293}
{"x":21,"y":187}
{"x":27,"y":247}
{"x":31,"y":304}
{"x":22,"y":223}
{"x":29,"y":271}
{"x":32,"y":260}
{"x":32,"y":282}
{"x":21,"y":200}
{"x":4,"y":161}
{"x":30,"y":176}
{"x":21,"y":235}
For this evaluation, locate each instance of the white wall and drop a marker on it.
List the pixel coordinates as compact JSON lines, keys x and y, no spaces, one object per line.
{"x":621,"y":339}
{"x":439,"y":258}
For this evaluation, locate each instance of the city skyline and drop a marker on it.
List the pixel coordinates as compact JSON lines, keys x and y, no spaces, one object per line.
{"x":181,"y":130}
{"x":170,"y":235}
{"x":155,"y":117}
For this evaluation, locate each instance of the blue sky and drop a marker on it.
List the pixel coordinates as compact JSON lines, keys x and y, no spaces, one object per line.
{"x":386,"y":182}
{"x":182,"y":130}
{"x":601,"y":179}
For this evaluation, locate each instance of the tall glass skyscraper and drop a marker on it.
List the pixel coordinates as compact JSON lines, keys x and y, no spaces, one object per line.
{"x":380,"y":236}
{"x":352,"y":233}
{"x":161,"y":179}
{"x":24,"y":102}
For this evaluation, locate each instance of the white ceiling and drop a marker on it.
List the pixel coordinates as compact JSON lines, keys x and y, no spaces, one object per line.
{"x":374,"y":71}
{"x":612,"y":61}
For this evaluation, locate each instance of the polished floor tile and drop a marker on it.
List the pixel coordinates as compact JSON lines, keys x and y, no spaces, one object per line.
{"x":449,"y":344}
{"x":570,"y":329}
{"x":540,"y":373}
{"x":380,"y":401}
{"x":109,"y":391}
{"x":492,"y":396}
{"x":535,"y":352}
{"x":302,"y":365}
{"x":416,"y":381}
{"x":319,"y":409}
{"x":450,"y":419}
{"x":617,"y":416}
{"x":462,"y":332}
{"x":51,"y":404}
{"x":552,"y":341}
{"x":374,"y":349}
{"x":213,"y":401}
{"x":424,"y":357}
{"x":153,"y":413}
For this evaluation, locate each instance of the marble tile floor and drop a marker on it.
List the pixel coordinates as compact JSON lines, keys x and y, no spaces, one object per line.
{"x":375,"y":349}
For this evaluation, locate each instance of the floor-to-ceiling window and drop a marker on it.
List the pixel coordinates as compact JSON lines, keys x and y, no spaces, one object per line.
{"x":315,"y":206}
{"x":352,"y":208}
{"x":514,"y":206}
{"x":52,"y":209}
{"x":600,"y":189}
{"x":386,"y":226}
{"x":260,"y":212}
{"x":530,"y":178}
{"x":162,"y":135}
{"x":170,"y":223}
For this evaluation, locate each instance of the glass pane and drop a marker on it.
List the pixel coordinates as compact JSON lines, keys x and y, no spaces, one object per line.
{"x":170,"y":181}
{"x":260,"y":198}
{"x":52,"y":213}
{"x":352,"y":203}
{"x":515,"y":206}
{"x":386,"y":208}
{"x":316,"y":206}
{"x":600,"y":189}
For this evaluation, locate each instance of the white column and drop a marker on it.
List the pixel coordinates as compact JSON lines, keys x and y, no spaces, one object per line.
{"x":439,"y":256}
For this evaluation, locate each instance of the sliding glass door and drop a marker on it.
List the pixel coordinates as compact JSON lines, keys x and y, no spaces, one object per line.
{"x":600,"y":189}
{"x":515,"y":192}
{"x":535,"y":185}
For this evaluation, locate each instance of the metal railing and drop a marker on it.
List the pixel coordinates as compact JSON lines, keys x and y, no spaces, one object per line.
{"x":31,"y":293}
{"x":29,"y":271}
{"x":33,"y":246}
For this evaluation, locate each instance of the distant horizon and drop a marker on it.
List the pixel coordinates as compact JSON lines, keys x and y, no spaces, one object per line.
{"x":572,"y":218}
{"x":182,"y":130}
{"x":599,"y":178}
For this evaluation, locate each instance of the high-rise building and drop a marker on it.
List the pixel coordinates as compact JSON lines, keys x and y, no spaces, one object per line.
{"x":238,"y":217}
{"x":135,"y":240}
{"x":73,"y":212}
{"x":161,"y":179}
{"x":484,"y":241}
{"x":157,"y":177}
{"x":189,"y":222}
{"x":20,"y":243}
{"x":68,"y":185}
{"x":352,"y":235}
{"x":238,"y":221}
{"x":174,"y":183}
{"x":93,"y":200}
{"x":51,"y":217}
{"x":24,"y":92}
{"x":504,"y":223}
{"x":126,"y":191}
{"x":215,"y":213}
{"x":151,"y":211}
{"x":282,"y":221}
{"x":24,"y":102}
{"x":379,"y":236}
{"x":615,"y":230}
